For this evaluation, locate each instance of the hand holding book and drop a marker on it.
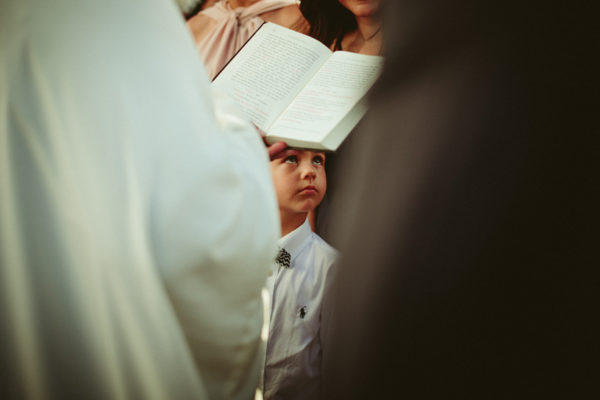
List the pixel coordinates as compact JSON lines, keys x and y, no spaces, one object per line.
{"x":274,"y":149}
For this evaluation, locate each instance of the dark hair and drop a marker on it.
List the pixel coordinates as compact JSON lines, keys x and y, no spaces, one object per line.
{"x":195,"y":10}
{"x":328,"y":19}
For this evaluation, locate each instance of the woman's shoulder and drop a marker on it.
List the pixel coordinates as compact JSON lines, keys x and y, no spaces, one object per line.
{"x":200,"y":25}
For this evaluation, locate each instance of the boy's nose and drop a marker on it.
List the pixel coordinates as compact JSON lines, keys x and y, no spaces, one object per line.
{"x":308,"y":171}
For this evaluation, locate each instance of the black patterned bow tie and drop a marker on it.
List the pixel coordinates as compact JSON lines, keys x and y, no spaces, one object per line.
{"x":283,"y":258}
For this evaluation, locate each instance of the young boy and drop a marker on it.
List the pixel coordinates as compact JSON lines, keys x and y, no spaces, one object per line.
{"x":298,"y":282}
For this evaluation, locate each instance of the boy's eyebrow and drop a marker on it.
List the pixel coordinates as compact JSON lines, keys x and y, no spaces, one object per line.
{"x":287,"y":152}
{"x":290,"y":151}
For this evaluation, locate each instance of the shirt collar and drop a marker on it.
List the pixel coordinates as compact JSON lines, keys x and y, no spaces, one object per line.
{"x":295,"y":240}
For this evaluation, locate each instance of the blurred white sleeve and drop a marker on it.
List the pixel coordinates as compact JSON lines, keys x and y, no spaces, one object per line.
{"x":136,"y":226}
{"x":217,"y":226}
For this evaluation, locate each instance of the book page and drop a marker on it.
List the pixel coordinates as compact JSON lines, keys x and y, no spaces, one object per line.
{"x":334,"y":90}
{"x":270,"y":70}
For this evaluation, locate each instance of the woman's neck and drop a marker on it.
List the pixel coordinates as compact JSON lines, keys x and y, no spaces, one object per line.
{"x":240,"y":3}
{"x":368,"y":28}
{"x":366,"y":39}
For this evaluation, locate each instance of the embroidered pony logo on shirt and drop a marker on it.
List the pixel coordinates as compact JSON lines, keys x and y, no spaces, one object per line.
{"x":302,"y":312}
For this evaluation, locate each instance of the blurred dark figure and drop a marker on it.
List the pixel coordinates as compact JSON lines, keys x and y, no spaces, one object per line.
{"x":467,"y":270}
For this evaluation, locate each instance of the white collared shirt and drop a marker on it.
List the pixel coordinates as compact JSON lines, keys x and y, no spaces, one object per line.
{"x":298,"y":301}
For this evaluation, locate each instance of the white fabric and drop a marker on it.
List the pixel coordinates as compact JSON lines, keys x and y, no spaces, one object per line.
{"x":135,"y":228}
{"x":299,"y":303}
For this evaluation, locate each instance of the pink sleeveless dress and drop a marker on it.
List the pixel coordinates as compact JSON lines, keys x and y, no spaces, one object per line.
{"x":231,"y":29}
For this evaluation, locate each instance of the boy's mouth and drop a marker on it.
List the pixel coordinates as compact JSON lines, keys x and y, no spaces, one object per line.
{"x":308,"y":190}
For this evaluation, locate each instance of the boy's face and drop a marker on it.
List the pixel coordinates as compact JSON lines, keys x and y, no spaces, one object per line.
{"x":299,"y":178}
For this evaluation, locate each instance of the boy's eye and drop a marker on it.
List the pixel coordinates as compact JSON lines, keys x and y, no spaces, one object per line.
{"x":318,"y":160}
{"x":291,"y":160}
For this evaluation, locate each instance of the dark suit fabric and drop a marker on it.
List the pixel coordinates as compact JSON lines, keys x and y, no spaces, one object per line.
{"x":467,"y":266}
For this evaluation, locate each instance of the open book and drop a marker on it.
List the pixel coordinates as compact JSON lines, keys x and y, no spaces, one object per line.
{"x":297,"y":90}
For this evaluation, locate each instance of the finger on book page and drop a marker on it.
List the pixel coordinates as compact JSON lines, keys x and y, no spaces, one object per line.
{"x":275,"y":149}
